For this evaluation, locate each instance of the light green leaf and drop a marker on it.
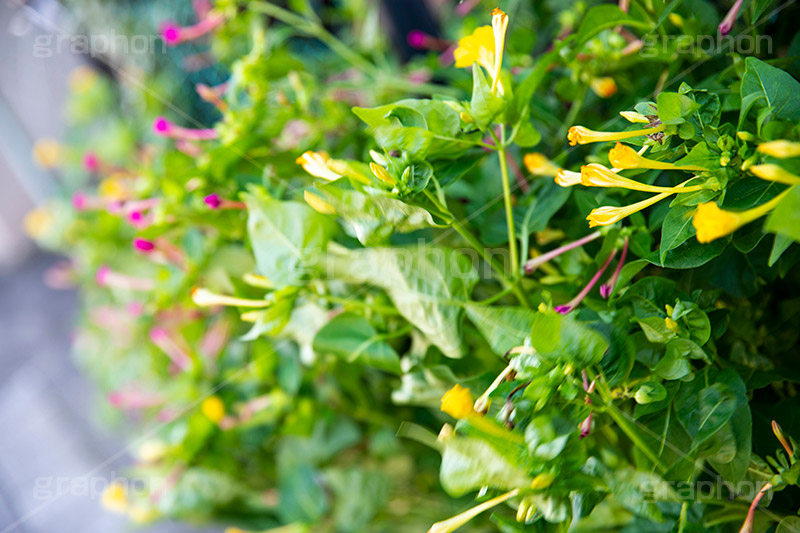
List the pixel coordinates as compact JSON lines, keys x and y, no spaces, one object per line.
{"x":502,"y":327}
{"x":353,"y":338}
{"x":562,"y":338}
{"x":785,"y":218}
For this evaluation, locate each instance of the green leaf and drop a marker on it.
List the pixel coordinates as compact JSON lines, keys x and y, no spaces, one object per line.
{"x":353,"y":338}
{"x":469,"y":464}
{"x":286,"y":237}
{"x":428,"y":285}
{"x":741,"y":423}
{"x":690,"y":254}
{"x":373,"y":218}
{"x":601,"y":18}
{"x":562,"y":338}
{"x":649,"y":392}
{"x":484,"y":105}
{"x":700,"y":156}
{"x":766,"y":86}
{"x":502,"y":327}
{"x":716,"y":405}
{"x":674,"y":365}
{"x":780,"y":245}
{"x":676,"y":229}
{"x":785,"y":218}
{"x":673,"y":108}
{"x":655,"y":329}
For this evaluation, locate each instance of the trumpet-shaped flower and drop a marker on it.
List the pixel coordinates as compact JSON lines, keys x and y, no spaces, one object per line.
{"x":567,"y":178}
{"x":607,"y":215}
{"x":581,"y":135}
{"x":206,"y":298}
{"x":214,"y":201}
{"x":595,"y":175}
{"x":538,"y":165}
{"x":711,"y":222}
{"x":780,"y":149}
{"x":382,"y":174}
{"x":608,"y":287}
{"x":536,"y":262}
{"x":572,"y":304}
{"x":174,"y":34}
{"x":775,"y":173}
{"x":625,"y":157}
{"x":164,"y":128}
{"x":485,"y":47}
{"x":447,"y":526}
{"x":316,"y":164}
{"x":115,"y":498}
{"x":457,"y":402}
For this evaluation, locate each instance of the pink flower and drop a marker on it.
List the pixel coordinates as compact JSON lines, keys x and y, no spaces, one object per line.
{"x":91,"y":163}
{"x":174,"y":34}
{"x":143,"y":245}
{"x":164,"y":128}
{"x":416,"y":39}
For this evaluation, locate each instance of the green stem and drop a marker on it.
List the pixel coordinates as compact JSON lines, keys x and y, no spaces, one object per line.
{"x":624,"y":424}
{"x":358,"y":303}
{"x":512,"y":237}
{"x":682,"y":518}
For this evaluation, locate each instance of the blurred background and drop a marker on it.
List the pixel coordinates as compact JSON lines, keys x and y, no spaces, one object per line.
{"x":53,"y":444}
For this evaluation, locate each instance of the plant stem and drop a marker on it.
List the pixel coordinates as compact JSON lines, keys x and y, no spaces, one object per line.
{"x":500,"y":146}
{"x":358,"y":303}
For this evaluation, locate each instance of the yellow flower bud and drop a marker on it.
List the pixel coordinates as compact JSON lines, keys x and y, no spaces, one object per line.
{"x":780,"y":149}
{"x":457,"y":402}
{"x":318,"y":204}
{"x":567,"y":178}
{"x":382,"y":174}
{"x":38,"y":222}
{"x":213,"y":409}
{"x":47,"y":153}
{"x":538,"y":164}
{"x":542,"y":481}
{"x":315,"y":163}
{"x":775,"y":173}
{"x":633,"y":116}
{"x":115,"y":498}
{"x":604,"y":87}
{"x":671,"y":324}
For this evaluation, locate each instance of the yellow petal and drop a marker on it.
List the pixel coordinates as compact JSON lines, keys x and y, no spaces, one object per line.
{"x":318,"y":204}
{"x":315,"y":163}
{"x":457,"y":402}
{"x":499,"y":28}
{"x":775,"y":173}
{"x":567,"y":178}
{"x":213,"y":409}
{"x":606,"y":215}
{"x":711,"y":222}
{"x":47,"y":153}
{"x":780,"y":149}
{"x":581,"y":135}
{"x":115,"y":498}
{"x":604,"y":87}
{"x":539,"y":165}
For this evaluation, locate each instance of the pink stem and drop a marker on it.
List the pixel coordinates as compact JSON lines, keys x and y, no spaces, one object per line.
{"x":536,"y":262}
{"x":572,"y":304}
{"x":607,"y":287}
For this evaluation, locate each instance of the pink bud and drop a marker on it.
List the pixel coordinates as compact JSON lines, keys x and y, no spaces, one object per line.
{"x":158,"y":334}
{"x":605,"y":290}
{"x":143,"y":245}
{"x":101,"y":277}
{"x":416,"y":39}
{"x":563,"y":309}
{"x":90,"y":162}
{"x":79,"y":201}
{"x":171,"y":33}
{"x":161,"y":126}
{"x":213,"y":201}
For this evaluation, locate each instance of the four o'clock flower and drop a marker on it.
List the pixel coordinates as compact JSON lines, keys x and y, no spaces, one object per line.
{"x":711,"y":222}
{"x":604,"y":87}
{"x":174,"y":34}
{"x":608,"y":287}
{"x":206,"y":298}
{"x":536,"y":262}
{"x":420,"y":40}
{"x":91,"y":163}
{"x":161,"y":249}
{"x":726,"y":25}
{"x":780,"y":149}
{"x":771,"y":172}
{"x":318,"y":204}
{"x":539,"y":165}
{"x":174,"y":348}
{"x":572,"y":304}
{"x":133,"y":398}
{"x":316,"y":164}
{"x":213,"y":95}
{"x":581,"y":135}
{"x":106,"y":277}
{"x":625,"y":157}
{"x":633,"y":116}
{"x":596,"y":175}
{"x":215,"y":201}
{"x":607,"y":215}
{"x":485,"y":47}
{"x":567,"y":178}
{"x":451,"y":524}
{"x":165,"y":128}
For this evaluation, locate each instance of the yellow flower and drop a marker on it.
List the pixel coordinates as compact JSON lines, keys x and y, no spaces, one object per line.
{"x":775,"y":173}
{"x":538,"y":165}
{"x":38,"y":222}
{"x":213,"y":409}
{"x":316,"y":164}
{"x":633,"y":116}
{"x":205,"y":298}
{"x":567,"y":178}
{"x":581,"y":135}
{"x":152,"y":451}
{"x":499,"y":28}
{"x":671,"y":324}
{"x":542,"y":481}
{"x":142,"y":514}
{"x":625,"y":157}
{"x":447,"y":526}
{"x":595,"y":175}
{"x":476,"y":48}
{"x":318,"y":204}
{"x":606,"y":215}
{"x":382,"y":174}
{"x":604,"y":87}
{"x":47,"y":153}
{"x":780,"y":149}
{"x":457,"y":402}
{"x":711,"y":222}
{"x":113,"y":187}
{"x":485,"y":47}
{"x":114,"y":498}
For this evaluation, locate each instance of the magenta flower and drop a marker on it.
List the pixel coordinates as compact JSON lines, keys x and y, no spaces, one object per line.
{"x":174,"y":349}
{"x":164,"y":128}
{"x":726,"y":25}
{"x":536,"y":262}
{"x":143,"y":245}
{"x":608,"y":287}
{"x":174,"y":34}
{"x":214,"y":201}
{"x":105,"y":277}
{"x":91,"y":163}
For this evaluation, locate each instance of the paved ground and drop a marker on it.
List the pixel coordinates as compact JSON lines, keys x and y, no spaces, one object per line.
{"x":48,"y":435}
